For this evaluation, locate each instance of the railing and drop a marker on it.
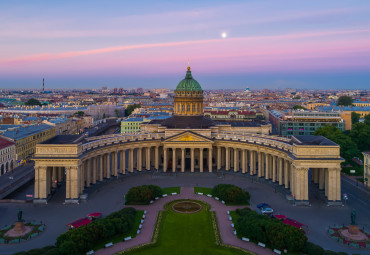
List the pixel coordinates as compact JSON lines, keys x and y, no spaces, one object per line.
{"x":281,"y":143}
{"x":272,"y":141}
{"x":119,"y":138}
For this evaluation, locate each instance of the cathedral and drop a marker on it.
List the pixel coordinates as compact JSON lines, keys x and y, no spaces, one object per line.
{"x":190,"y":142}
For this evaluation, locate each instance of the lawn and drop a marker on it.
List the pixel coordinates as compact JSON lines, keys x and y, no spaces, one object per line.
{"x":170,"y":190}
{"x":203,"y":190}
{"x":186,"y":234}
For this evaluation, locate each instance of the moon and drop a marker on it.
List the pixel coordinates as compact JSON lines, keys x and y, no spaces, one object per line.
{"x":223,"y":35}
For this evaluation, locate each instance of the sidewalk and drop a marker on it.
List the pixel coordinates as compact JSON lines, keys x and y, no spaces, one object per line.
{"x":224,"y":224}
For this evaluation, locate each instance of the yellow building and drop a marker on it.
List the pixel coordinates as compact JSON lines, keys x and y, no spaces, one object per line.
{"x":26,"y":138}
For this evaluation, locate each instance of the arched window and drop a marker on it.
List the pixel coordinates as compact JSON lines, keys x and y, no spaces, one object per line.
{"x":178,"y":107}
{"x":188,"y":108}
{"x":198,"y":108}
{"x":193,"y":108}
{"x":183,"y":108}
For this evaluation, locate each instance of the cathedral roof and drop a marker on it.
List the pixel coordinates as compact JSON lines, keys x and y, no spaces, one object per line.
{"x":188,"y":84}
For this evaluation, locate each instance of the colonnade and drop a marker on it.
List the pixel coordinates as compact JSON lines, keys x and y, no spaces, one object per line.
{"x":270,"y":164}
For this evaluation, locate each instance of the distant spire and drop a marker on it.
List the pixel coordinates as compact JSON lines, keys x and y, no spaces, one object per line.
{"x":188,"y":65}
{"x":43,"y":85}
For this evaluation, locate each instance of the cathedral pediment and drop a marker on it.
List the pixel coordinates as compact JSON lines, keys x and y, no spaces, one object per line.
{"x":188,"y":136}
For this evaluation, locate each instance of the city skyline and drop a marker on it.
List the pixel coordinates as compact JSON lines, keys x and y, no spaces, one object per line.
{"x":252,"y":44}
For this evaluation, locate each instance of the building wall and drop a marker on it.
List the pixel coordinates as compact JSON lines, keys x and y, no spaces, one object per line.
{"x":367,"y":168}
{"x":7,"y":156}
{"x":25,"y":148}
{"x":130,"y":126}
{"x":289,"y":128}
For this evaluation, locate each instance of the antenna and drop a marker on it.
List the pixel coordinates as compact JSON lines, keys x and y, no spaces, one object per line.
{"x":43,"y":85}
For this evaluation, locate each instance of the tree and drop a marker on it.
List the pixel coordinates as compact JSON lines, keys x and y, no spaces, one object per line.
{"x":360,"y":135}
{"x":79,"y":113}
{"x":299,"y":107}
{"x":33,"y":101}
{"x":355,"y":117}
{"x":345,"y":101}
{"x":348,"y":149}
{"x":297,"y":97}
{"x":104,"y":116}
{"x":130,"y":108}
{"x":367,"y":119}
{"x":116,"y":112}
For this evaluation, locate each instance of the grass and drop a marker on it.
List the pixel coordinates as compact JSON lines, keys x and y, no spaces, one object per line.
{"x":186,"y":234}
{"x":205,"y":191}
{"x":119,"y":238}
{"x":170,"y":190}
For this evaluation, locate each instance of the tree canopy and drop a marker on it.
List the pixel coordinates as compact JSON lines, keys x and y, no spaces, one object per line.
{"x":367,"y":119}
{"x":345,"y":101}
{"x":130,"y":108}
{"x":79,"y":113}
{"x":299,"y":107}
{"x":355,"y":117}
{"x":33,"y":101}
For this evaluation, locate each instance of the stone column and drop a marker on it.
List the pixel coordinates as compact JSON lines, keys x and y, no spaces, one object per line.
{"x":223,"y":156}
{"x":243,"y":152}
{"x":131,"y":160}
{"x":281,"y":162}
{"x":100,"y":167}
{"x":260,"y":164}
{"x":232,"y":152}
{"x":156,"y":158}
{"x":60,"y":174}
{"x":147,"y":158}
{"x":40,"y":182}
{"x":236,"y":159}
{"x":227,"y":156}
{"x":108,"y":173}
{"x":173,"y":159}
{"x":321,"y":175}
{"x":88,"y":173}
{"x":54,"y":177}
{"x":73,"y":181}
{"x":210,"y":160}
{"x":273,"y":168}
{"x":267,"y":167}
{"x":182,"y":160}
{"x":218,"y":158}
{"x":94,"y":170}
{"x":192,"y":159}
{"x":201,"y":160}
{"x":286,"y":176}
{"x":115,"y":163}
{"x":139,"y":159}
{"x":300,"y":183}
{"x":247,"y":161}
{"x":292,"y":178}
{"x":82,"y":178}
{"x":165,"y":159}
{"x":334,"y":189}
{"x":122,"y":168}
{"x":326,"y":178}
{"x":253,"y":163}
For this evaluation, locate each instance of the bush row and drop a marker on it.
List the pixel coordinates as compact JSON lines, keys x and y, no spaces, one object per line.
{"x":83,"y":239}
{"x":231,"y":194}
{"x":142,"y":195}
{"x":272,"y":232}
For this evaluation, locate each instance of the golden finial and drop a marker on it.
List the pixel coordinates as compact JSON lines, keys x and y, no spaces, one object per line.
{"x":188,"y":65}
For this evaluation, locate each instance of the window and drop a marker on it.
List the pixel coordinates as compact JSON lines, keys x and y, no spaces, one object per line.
{"x":188,"y":108}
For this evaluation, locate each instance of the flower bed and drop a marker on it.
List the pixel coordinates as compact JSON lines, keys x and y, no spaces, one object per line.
{"x":335,"y":233}
{"x":37,"y":228}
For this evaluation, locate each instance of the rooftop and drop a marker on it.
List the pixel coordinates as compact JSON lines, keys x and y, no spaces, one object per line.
{"x":312,"y":140}
{"x":21,"y":132}
{"x":5,"y":143}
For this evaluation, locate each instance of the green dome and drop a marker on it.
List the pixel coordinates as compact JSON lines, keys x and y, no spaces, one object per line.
{"x":188,"y":84}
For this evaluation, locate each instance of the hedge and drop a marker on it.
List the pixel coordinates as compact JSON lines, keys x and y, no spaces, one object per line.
{"x":231,"y":194}
{"x":142,"y":195}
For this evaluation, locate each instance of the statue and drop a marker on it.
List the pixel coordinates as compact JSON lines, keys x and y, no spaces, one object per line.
{"x":20,"y":215}
{"x":353,"y":217}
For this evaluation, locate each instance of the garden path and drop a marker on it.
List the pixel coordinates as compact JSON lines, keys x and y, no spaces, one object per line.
{"x":224,"y":224}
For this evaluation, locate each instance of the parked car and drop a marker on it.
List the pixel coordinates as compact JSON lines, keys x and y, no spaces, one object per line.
{"x":265,"y":208}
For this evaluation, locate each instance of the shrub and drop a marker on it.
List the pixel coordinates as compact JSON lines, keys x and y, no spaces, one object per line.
{"x":272,"y":232}
{"x":82,"y":239}
{"x":231,"y":194}
{"x":143,"y":194}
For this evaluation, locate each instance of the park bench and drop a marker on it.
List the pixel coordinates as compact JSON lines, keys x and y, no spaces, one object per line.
{"x":245,"y":239}
{"x":262,"y":244}
{"x":108,"y":245}
{"x":90,"y":252}
{"x":200,"y":193}
{"x":127,"y":238}
{"x":277,"y":251}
